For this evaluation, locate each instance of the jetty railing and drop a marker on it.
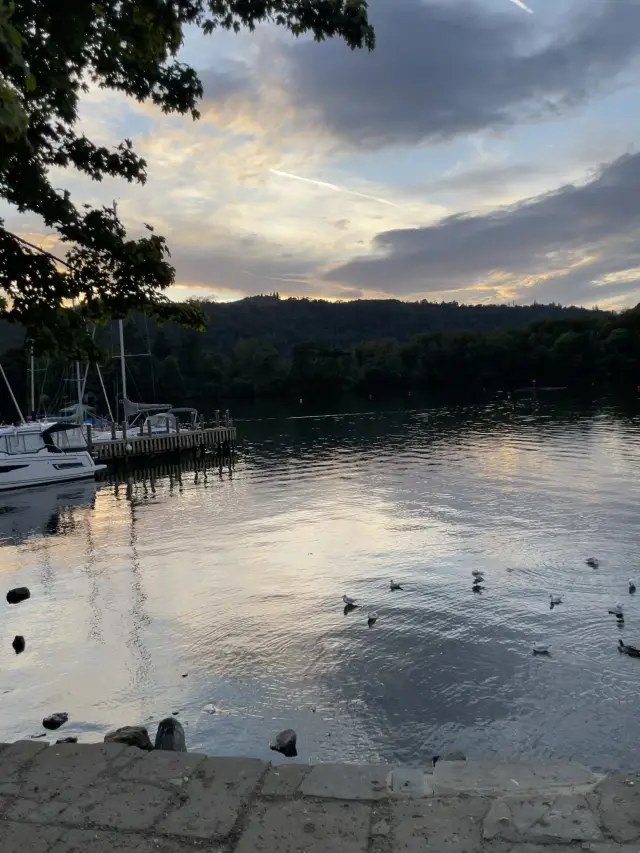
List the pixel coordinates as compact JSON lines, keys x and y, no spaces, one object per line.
{"x":146,"y":441}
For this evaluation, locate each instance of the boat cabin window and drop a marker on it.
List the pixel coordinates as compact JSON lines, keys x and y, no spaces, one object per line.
{"x":21,"y":442}
{"x":69,"y":438}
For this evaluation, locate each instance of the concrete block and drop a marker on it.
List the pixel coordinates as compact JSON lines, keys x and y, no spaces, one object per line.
{"x":410,"y":782}
{"x":442,"y":825}
{"x":492,"y":777}
{"x":542,"y":820}
{"x":173,"y":769}
{"x":210,"y":802}
{"x":18,"y":838}
{"x":347,"y":781}
{"x":283,"y":780}
{"x":64,"y":772}
{"x":301,"y":826}
{"x":119,"y":805}
{"x":620,"y":807}
{"x":14,"y":760}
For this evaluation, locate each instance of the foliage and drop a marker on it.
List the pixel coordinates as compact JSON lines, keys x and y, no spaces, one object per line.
{"x":49,"y":56}
{"x":578,"y":350}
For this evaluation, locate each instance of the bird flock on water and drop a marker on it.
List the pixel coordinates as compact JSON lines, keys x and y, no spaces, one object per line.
{"x":617,"y":610}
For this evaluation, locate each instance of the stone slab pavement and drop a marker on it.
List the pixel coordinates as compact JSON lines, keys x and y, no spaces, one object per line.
{"x":111,"y":798}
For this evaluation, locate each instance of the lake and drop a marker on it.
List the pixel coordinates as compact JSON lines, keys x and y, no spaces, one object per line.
{"x":183,"y":589}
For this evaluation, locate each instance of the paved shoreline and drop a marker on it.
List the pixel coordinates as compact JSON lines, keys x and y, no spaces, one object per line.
{"x":111,"y":798}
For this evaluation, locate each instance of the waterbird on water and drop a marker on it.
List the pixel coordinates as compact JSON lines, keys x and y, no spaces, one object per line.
{"x":632,"y":651}
{"x":540,"y":649}
{"x":632,"y":585}
{"x":393,"y":586}
{"x":591,"y":561}
{"x":350,"y":602}
{"x":476,"y":573}
{"x":555,"y":599}
{"x":371,"y":619}
{"x":617,"y":610}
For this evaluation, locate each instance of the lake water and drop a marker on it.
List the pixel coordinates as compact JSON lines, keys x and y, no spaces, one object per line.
{"x":235,"y":579}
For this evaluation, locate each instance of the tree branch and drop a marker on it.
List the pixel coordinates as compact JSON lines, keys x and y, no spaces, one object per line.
{"x":38,"y":249}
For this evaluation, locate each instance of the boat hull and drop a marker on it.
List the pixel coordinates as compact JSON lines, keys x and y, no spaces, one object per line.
{"x":19,"y":472}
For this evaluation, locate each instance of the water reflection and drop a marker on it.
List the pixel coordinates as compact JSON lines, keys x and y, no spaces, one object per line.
{"x":236,"y":576}
{"x":51,"y":510}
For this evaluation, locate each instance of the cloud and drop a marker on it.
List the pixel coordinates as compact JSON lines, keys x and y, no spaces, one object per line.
{"x":581,"y":242}
{"x":230,"y":79}
{"x":449,"y":67}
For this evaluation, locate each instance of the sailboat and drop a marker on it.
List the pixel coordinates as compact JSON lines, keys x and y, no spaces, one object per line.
{"x":150,"y":418}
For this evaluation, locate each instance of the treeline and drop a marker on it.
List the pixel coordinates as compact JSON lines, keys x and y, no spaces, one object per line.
{"x":286,"y":323}
{"x":577,"y":351}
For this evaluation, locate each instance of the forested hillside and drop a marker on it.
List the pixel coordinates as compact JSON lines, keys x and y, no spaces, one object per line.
{"x":268,"y":347}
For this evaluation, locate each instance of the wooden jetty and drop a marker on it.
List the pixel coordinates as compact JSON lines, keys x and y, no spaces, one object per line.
{"x":135,"y":442}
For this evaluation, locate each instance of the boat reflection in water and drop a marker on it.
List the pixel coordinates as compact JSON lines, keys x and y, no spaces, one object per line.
{"x":38,"y":511}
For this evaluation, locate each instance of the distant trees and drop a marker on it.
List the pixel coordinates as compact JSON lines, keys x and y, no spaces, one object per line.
{"x":566,"y":347}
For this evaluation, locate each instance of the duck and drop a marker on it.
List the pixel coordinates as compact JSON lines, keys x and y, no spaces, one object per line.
{"x":393,"y":586}
{"x":540,"y":649}
{"x":476,"y":573}
{"x":371,"y":619}
{"x":350,"y":602}
{"x":625,"y":649}
{"x":632,"y":585}
{"x":555,"y":599}
{"x":477,"y":588}
{"x":593,"y":562}
{"x":617,"y":611}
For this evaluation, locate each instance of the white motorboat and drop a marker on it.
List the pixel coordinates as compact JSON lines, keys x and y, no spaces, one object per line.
{"x":34,"y":454}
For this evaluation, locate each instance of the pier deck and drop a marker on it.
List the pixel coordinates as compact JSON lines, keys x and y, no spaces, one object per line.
{"x":136,"y":444}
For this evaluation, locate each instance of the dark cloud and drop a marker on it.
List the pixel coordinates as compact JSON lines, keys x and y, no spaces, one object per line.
{"x":221,"y":84}
{"x":445,"y":67}
{"x":597,"y":223}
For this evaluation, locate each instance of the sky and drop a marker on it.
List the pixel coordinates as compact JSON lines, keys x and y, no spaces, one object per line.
{"x":486,"y":151}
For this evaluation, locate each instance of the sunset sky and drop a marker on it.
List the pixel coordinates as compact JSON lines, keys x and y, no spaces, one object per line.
{"x":482,"y":153}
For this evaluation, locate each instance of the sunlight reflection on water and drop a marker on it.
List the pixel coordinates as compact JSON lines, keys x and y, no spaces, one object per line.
{"x":236,"y":579}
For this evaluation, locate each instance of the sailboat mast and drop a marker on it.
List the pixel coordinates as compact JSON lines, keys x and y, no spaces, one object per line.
{"x":32,"y":383}
{"x":104,"y":391}
{"x":123,"y":367}
{"x":10,"y":389}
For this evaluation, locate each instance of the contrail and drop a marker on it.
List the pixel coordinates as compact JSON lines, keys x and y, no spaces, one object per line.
{"x":523,"y":6}
{"x":333,"y":187}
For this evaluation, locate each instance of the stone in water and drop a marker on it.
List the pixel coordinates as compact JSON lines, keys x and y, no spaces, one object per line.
{"x":131,"y":736}
{"x":18,"y":644}
{"x":285,"y":742}
{"x":170,"y":735}
{"x":20,"y":593}
{"x":54,"y":721}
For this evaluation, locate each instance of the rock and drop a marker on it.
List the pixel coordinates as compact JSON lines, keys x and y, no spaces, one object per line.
{"x":131,"y":736}
{"x":449,"y":756}
{"x":18,"y":644}
{"x":20,"y":593}
{"x":453,"y":756}
{"x":54,"y":721}
{"x":67,"y":740}
{"x":285,"y":742}
{"x":170,"y":735}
